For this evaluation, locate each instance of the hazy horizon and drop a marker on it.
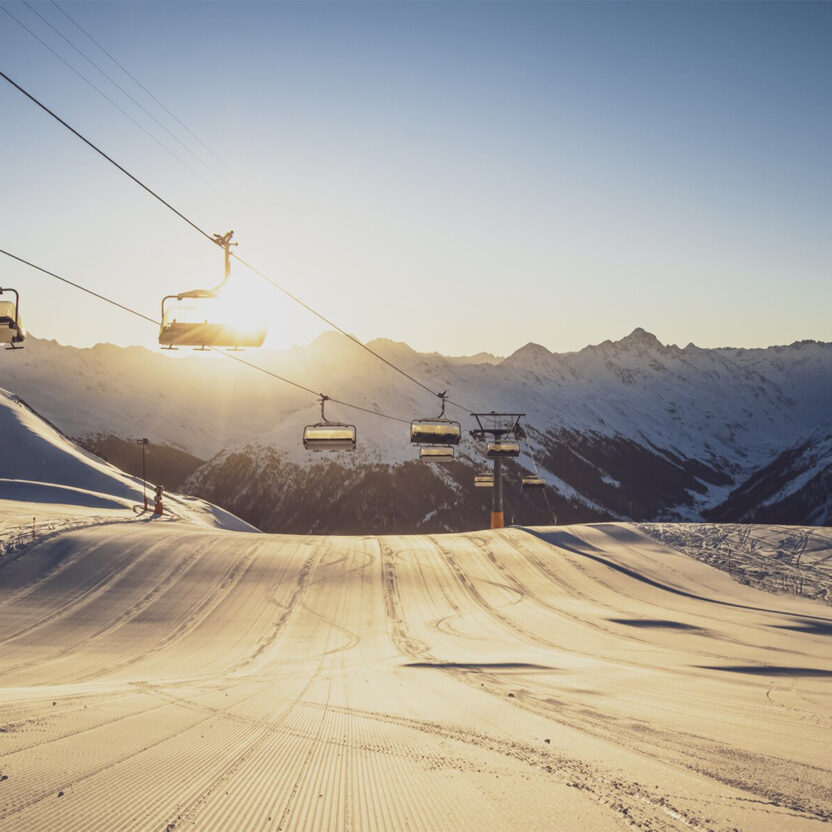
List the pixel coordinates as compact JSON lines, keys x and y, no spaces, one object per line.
{"x":187,"y":351}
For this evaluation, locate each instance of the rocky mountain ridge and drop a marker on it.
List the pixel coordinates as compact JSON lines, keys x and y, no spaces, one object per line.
{"x":631,"y":428}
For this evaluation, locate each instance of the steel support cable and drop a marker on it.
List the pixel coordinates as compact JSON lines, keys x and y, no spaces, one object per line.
{"x":308,"y":389}
{"x":79,"y":286}
{"x":236,"y":358}
{"x":335,"y":326}
{"x":146,"y":90}
{"x":548,"y":504}
{"x":531,"y":455}
{"x":115,"y":83}
{"x":107,"y":97}
{"x":239,"y":259}
{"x":537,"y":474}
{"x":102,"y":153}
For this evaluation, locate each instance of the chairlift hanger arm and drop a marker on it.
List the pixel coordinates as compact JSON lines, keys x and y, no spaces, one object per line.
{"x":224,"y":242}
{"x":324,"y":399}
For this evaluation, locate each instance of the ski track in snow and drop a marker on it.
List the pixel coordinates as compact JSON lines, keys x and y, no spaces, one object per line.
{"x":168,"y":676}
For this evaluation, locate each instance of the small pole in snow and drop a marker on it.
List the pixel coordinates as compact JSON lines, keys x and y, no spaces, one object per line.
{"x":33,"y":530}
{"x":143,"y":443}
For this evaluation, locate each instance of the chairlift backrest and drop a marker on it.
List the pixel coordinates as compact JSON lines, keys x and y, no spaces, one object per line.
{"x":438,"y":431}
{"x":436,"y":454}
{"x":435,"y":432}
{"x":484,"y":481}
{"x":200,"y":318}
{"x":532,"y":481}
{"x":329,"y":436}
{"x":500,"y":448}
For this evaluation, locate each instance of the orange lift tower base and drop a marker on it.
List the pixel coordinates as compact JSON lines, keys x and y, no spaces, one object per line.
{"x":495,"y":427}
{"x":497,"y":517}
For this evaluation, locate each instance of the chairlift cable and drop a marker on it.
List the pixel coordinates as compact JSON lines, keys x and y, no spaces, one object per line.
{"x":79,"y":286}
{"x":213,"y":240}
{"x":537,"y":473}
{"x":531,"y":455}
{"x":367,"y":410}
{"x":102,"y":153}
{"x":115,"y":83}
{"x":230,"y":355}
{"x":335,"y":326}
{"x":107,"y":97}
{"x":146,"y":90}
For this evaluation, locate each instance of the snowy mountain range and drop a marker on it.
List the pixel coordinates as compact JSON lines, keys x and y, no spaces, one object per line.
{"x":623,"y":429}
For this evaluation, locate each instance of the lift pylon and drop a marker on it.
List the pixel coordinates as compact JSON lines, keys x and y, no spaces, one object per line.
{"x":496,"y":426}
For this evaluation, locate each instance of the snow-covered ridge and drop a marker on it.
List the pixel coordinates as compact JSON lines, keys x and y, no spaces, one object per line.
{"x":44,"y":474}
{"x":691,"y":424}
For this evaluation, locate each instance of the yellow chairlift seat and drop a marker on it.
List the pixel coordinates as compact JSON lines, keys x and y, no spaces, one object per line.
{"x":437,"y":453}
{"x":201,"y":318}
{"x":484,"y":481}
{"x":435,"y":432}
{"x":329,"y":437}
{"x":11,"y":322}
{"x":501,"y":448}
{"x":533,"y":482}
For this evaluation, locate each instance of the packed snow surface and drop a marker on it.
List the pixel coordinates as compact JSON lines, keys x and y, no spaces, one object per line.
{"x":782,"y":559}
{"x":172,"y":672}
{"x":166,"y":676}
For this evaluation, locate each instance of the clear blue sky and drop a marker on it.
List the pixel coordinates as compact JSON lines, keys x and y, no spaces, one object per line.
{"x":458,"y":176}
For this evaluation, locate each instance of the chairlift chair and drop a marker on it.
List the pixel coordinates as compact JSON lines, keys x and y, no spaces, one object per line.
{"x":201,"y":318}
{"x":484,"y":481}
{"x":531,"y":481}
{"x":329,"y":436}
{"x":439,"y":431}
{"x":11,"y":323}
{"x":502,"y":448}
{"x":436,"y":453}
{"x":195,"y":319}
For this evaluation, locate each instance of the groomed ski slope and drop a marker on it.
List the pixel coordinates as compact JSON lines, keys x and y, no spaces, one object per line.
{"x":160,"y":676}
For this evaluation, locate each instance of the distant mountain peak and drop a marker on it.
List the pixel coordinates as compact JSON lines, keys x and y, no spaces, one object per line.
{"x":532,"y":349}
{"x":530,"y":356}
{"x":640,"y":337}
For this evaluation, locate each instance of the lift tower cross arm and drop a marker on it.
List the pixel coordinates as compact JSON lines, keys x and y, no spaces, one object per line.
{"x":497,"y":426}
